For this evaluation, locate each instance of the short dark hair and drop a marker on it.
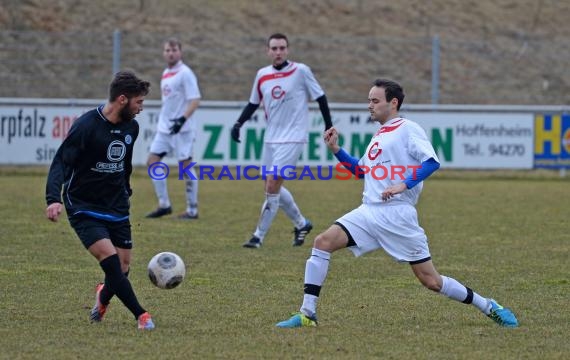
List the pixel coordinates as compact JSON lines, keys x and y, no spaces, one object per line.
{"x":392,"y":90}
{"x":128,"y":84}
{"x":172,"y":41}
{"x":278,"y":36}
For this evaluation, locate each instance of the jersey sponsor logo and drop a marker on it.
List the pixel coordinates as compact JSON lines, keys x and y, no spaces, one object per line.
{"x":110,"y":167}
{"x":273,"y":77}
{"x":116,"y":151}
{"x":277,"y":92}
{"x":166,"y":90}
{"x":374,"y":151}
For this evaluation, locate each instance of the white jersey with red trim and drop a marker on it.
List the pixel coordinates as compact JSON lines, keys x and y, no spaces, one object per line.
{"x":285,"y":95}
{"x":396,"y":150}
{"x":178,"y":87}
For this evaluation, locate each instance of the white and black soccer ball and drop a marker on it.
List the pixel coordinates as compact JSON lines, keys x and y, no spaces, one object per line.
{"x":166,"y":270}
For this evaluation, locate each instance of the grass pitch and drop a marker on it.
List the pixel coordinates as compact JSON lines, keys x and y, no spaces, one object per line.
{"x":505,"y":236}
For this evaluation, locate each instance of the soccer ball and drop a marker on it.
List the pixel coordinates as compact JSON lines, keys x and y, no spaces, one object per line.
{"x":166,"y":270}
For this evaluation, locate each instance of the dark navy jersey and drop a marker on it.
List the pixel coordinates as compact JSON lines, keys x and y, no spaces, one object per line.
{"x":94,"y":165}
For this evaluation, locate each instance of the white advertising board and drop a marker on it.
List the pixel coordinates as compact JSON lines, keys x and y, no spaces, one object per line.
{"x":30,"y":133}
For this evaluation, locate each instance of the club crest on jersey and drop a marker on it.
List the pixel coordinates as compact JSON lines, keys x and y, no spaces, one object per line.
{"x":374,"y":151}
{"x":116,"y":151}
{"x":166,"y":90}
{"x":128,"y":139}
{"x":277,"y":92}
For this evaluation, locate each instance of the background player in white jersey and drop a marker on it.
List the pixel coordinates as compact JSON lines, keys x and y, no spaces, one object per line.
{"x":176,"y":130}
{"x":284,"y":88}
{"x":387,"y":218}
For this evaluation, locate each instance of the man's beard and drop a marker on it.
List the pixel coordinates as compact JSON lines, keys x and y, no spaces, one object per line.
{"x":126,"y":115}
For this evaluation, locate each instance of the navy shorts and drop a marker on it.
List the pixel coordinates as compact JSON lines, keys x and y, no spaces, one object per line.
{"x":90,"y":230}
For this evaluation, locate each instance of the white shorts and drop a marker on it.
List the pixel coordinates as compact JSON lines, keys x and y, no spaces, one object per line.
{"x":282,"y":156}
{"x":179,"y":145}
{"x":392,"y":227}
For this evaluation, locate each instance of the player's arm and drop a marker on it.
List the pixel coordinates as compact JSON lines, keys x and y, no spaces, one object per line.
{"x":325,"y":111}
{"x":420,"y":148}
{"x":419,"y":174}
{"x":53,"y":186}
{"x":348,"y":161}
{"x":316,"y":92}
{"x":180,"y":121}
{"x":191,"y":107}
{"x":65,"y":157}
{"x":191,"y":93}
{"x":246,"y":114}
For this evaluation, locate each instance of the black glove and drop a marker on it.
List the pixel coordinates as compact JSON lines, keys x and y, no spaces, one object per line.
{"x":177,"y":125}
{"x":235,"y":132}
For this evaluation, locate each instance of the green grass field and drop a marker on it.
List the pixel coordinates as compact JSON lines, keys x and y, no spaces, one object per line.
{"x":505,"y":236}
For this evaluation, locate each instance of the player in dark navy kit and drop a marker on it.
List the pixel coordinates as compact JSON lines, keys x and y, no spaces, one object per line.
{"x":94,"y":165}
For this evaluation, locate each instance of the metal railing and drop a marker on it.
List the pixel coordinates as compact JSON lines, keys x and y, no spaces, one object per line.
{"x":436,"y":70}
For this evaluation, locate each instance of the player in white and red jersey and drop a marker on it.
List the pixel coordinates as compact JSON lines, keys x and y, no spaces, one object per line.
{"x":176,"y":130}
{"x":397,"y":149}
{"x":284,"y":88}
{"x":387,"y":218}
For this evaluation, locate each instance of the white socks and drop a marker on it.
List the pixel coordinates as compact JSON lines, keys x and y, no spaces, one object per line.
{"x":191,"y":193}
{"x":273,"y":202}
{"x":268,"y":212}
{"x":453,"y":289}
{"x":287,"y":203}
{"x":316,"y":270}
{"x":161,"y":190}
